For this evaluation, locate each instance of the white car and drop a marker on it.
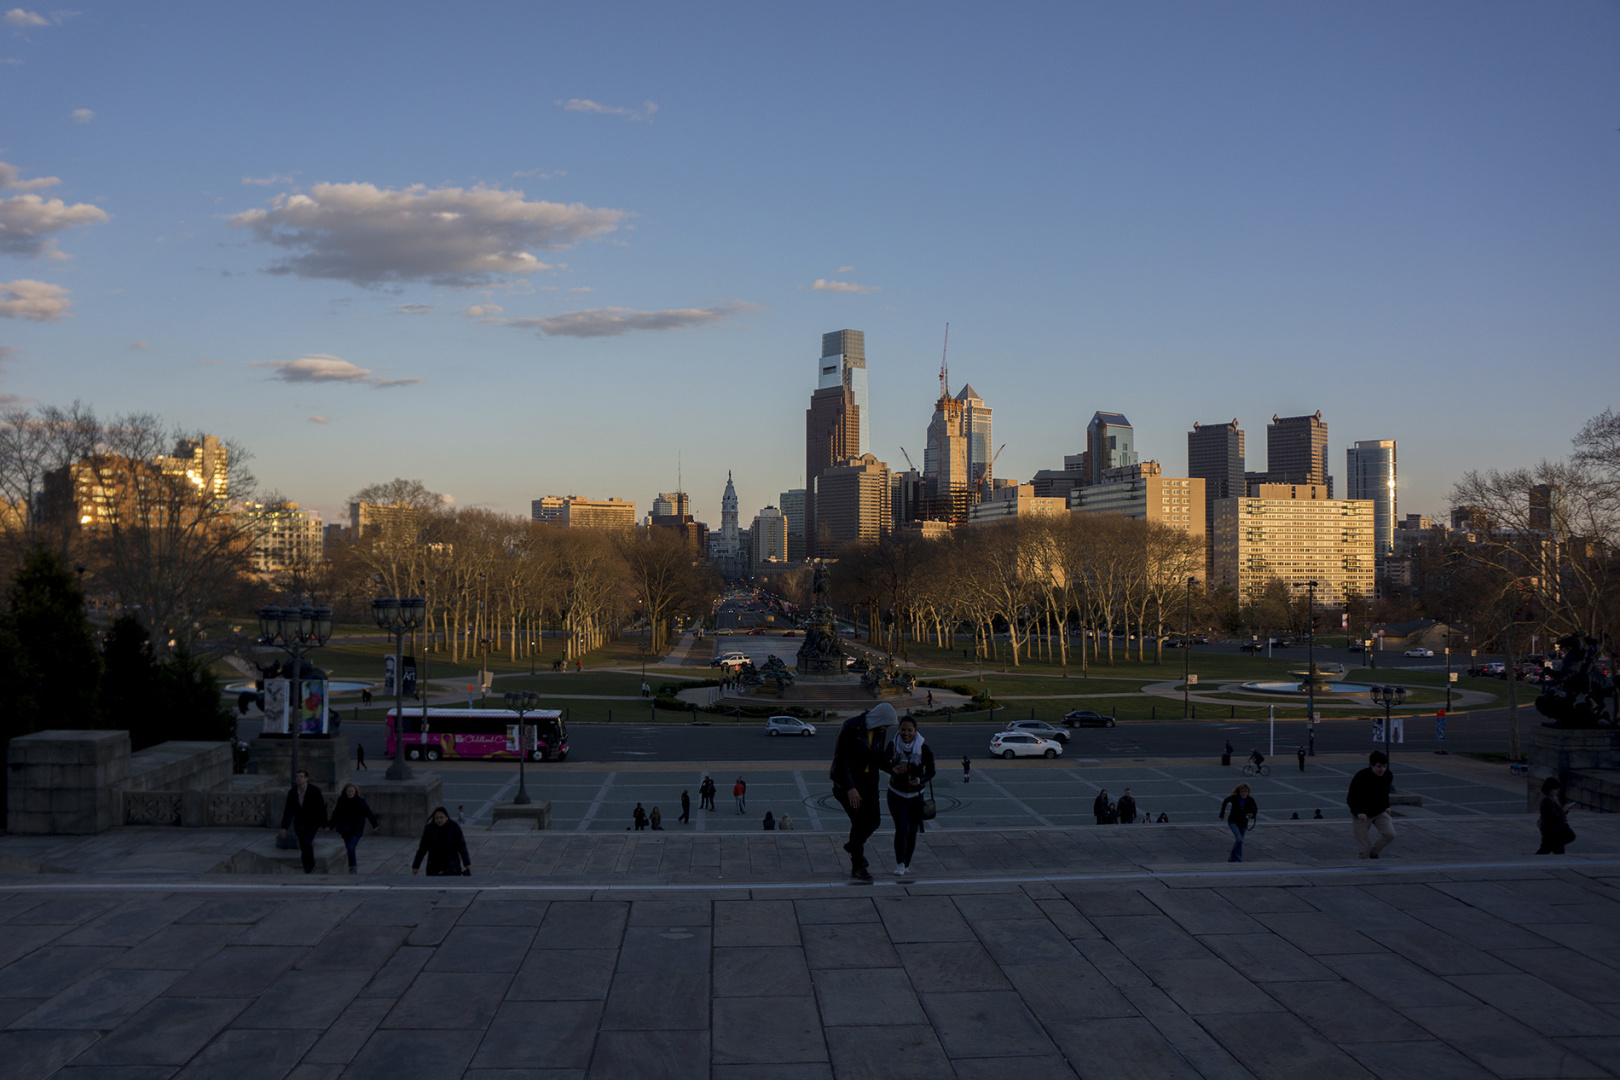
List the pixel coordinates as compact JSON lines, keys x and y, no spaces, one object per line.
{"x":1420,"y":652}
{"x":788,"y":725}
{"x":1011,"y":744}
{"x":1041,"y":729}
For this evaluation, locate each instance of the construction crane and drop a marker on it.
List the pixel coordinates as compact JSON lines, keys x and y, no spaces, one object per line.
{"x":990,"y":468}
{"x":944,"y":367}
{"x":913,"y":464}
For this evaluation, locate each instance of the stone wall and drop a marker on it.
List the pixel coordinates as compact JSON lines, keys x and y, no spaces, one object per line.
{"x":176,"y":766}
{"x":1585,"y":760}
{"x":66,"y":783}
{"x":326,"y":759}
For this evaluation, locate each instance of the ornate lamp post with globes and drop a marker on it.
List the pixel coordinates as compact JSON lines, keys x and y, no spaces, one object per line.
{"x":291,"y":629}
{"x":521,"y":702}
{"x":398,"y":617}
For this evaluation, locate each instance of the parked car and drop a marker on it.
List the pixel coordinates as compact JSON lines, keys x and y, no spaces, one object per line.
{"x":1490,"y":669}
{"x":1086,"y":718}
{"x":757,"y":631}
{"x":1200,"y":639}
{"x":1041,"y":728}
{"x":722,"y":631}
{"x":1356,"y":646}
{"x":1011,"y":744}
{"x":790,"y":633}
{"x":729,"y":661}
{"x":1419,"y":653}
{"x":788,"y":725}
{"x":1251,"y":646}
{"x":1280,"y":643}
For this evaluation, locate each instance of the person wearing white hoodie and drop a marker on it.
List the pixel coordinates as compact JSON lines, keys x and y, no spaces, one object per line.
{"x":911,"y":768}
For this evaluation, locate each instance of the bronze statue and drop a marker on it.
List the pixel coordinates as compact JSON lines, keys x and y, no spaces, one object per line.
{"x":1578,"y":695}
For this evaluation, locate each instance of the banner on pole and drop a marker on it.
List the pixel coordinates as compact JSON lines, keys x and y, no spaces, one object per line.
{"x":276,"y":692}
{"x":388,"y":676}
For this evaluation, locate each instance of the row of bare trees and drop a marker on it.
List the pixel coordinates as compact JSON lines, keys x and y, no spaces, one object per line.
{"x":1540,"y":557}
{"x":496,"y":583}
{"x":1030,"y":578}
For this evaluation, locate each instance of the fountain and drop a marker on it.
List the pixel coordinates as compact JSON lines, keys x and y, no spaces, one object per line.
{"x":821,"y":658}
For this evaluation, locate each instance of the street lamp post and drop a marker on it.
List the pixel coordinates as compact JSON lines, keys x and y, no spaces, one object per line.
{"x":1389,"y":697}
{"x":291,"y":629}
{"x":1186,"y":652}
{"x":522,"y":701}
{"x":398,"y":616}
{"x":1310,"y":664}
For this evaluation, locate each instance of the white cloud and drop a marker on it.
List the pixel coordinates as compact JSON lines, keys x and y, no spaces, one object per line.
{"x":845,"y":270}
{"x":18,"y":19}
{"x":580,"y":288}
{"x":412,"y":309}
{"x":266,"y":181}
{"x":319,"y":420}
{"x":482,"y":311}
{"x":26,"y":222}
{"x":8,"y":353}
{"x":823,"y":285}
{"x":37,"y":300}
{"x":82,"y":116}
{"x":642,"y":115}
{"x":8,"y":179}
{"x":140,"y":346}
{"x":322,"y":368}
{"x":610,"y":322}
{"x":370,"y":236}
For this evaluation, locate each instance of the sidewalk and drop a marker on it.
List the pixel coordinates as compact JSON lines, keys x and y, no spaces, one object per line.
{"x":1093,"y":952}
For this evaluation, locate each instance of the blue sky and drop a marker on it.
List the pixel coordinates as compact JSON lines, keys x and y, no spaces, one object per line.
{"x":516,"y":249}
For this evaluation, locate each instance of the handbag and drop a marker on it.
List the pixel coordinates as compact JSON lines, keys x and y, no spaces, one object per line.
{"x":929,"y":807}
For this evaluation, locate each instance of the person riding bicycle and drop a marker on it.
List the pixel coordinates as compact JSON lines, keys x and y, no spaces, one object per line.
{"x":1256,"y":758}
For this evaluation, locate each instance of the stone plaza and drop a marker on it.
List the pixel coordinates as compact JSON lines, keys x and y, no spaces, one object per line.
{"x":1033,"y":950}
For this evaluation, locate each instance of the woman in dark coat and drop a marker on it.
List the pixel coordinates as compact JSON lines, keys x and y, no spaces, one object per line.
{"x":444,"y":847}
{"x":349,"y":819}
{"x":1553,"y":823}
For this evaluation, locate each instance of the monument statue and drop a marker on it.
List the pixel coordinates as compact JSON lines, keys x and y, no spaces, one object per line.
{"x":821,"y":654}
{"x":1579,"y":694}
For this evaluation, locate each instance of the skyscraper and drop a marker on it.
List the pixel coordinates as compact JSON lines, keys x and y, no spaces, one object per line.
{"x":671,"y":504}
{"x":727,"y":544}
{"x":831,"y":432}
{"x":1215,"y":456}
{"x":976,"y":429}
{"x":1110,"y":442}
{"x":1296,"y":451}
{"x":1371,"y":464}
{"x":843,"y":363}
{"x":792,"y":503}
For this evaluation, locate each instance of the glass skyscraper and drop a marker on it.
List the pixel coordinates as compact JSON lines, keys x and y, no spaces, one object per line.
{"x":1372,"y":476}
{"x":843,"y":363}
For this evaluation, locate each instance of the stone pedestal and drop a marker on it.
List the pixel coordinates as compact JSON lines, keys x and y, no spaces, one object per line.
{"x":64,"y":783}
{"x":537,"y":814}
{"x":1586,"y":761}
{"x":402,"y":806}
{"x":326,"y":759}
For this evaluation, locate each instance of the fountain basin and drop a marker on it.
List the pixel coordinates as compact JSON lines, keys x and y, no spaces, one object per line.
{"x":1342,"y":689}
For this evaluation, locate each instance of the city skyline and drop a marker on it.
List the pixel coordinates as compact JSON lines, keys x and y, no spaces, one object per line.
{"x":1401,"y":218}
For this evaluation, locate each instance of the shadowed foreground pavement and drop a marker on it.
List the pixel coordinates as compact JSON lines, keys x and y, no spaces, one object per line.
{"x":1093,"y":952}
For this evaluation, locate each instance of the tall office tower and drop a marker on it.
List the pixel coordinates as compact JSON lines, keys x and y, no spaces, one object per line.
{"x":852,"y":502}
{"x":976,"y":428}
{"x":769,"y":535}
{"x":1371,"y":464}
{"x":672,"y":504}
{"x":831,"y":432}
{"x":1215,"y":456}
{"x":792,"y":504}
{"x":1296,"y":451}
{"x":1547,"y":511}
{"x":843,"y":363}
{"x":1110,"y":443}
{"x":945,"y":457}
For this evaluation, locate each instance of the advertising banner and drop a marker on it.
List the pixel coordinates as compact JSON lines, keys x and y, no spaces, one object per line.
{"x":276,"y":692}
{"x":388,"y":676}
{"x":312,"y":716}
{"x":410,"y":676}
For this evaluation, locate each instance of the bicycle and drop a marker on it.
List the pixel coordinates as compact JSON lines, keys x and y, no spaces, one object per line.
{"x":1251,"y":768}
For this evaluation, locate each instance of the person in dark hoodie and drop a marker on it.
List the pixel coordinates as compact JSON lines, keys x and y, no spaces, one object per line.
{"x":305,"y":813}
{"x":857,"y":768}
{"x":443,"y":846}
{"x":349,"y":819}
{"x":1368,"y":799}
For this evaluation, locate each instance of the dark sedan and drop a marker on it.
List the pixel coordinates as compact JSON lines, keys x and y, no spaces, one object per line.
{"x":1086,"y":718}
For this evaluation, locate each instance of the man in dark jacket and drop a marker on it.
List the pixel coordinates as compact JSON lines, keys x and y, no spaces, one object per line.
{"x":1127,"y":808}
{"x":305,"y":812}
{"x":857,"y":769}
{"x":1369,"y":805}
{"x":444,"y":846}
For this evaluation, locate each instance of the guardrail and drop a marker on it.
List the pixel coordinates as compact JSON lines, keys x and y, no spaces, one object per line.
{"x":195,"y":809}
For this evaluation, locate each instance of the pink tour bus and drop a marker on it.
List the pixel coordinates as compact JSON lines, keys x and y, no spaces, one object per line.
{"x":479,"y":734}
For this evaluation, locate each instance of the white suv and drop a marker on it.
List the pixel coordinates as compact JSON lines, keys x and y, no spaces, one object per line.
{"x":1011,"y":744}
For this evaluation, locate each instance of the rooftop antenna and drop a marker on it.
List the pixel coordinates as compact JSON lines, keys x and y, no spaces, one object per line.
{"x":944,"y":367}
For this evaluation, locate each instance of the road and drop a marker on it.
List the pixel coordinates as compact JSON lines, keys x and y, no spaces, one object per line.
{"x":1476,"y":732}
